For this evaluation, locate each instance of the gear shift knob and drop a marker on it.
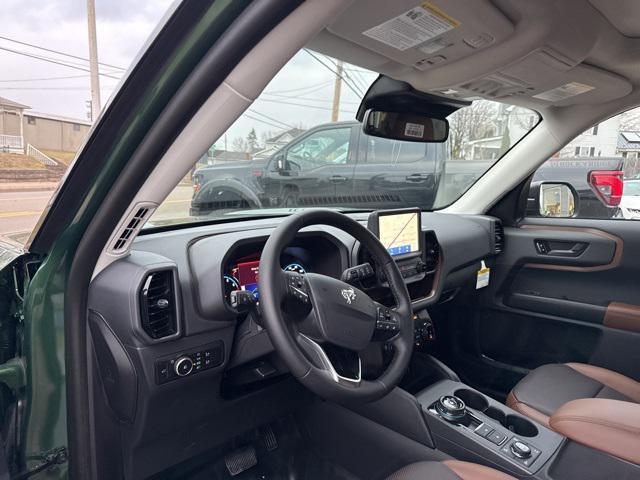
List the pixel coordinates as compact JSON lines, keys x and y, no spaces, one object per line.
{"x":451,"y":408}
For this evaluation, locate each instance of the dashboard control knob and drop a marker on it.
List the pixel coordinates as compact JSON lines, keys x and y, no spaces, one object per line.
{"x":520,"y":449}
{"x":451,"y":408}
{"x":183,"y":366}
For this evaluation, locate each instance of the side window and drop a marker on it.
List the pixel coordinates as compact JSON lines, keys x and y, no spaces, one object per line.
{"x":320,"y":148}
{"x":596,"y":175}
{"x":383,"y":150}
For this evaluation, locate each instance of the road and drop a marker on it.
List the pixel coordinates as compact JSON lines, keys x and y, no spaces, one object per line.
{"x":20,"y":211}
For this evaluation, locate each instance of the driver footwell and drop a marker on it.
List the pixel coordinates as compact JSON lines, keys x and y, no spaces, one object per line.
{"x":273,"y":452}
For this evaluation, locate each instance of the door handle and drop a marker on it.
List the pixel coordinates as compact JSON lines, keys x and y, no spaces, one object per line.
{"x":560,"y":248}
{"x":337,"y":179}
{"x":417,"y":177}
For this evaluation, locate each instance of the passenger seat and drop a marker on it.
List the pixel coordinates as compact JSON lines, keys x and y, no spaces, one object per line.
{"x":547,"y":388}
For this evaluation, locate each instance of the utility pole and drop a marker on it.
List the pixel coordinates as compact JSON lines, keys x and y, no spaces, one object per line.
{"x":93,"y":60}
{"x":335,"y":111}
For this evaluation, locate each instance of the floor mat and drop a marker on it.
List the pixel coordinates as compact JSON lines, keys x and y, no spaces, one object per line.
{"x":291,"y":460}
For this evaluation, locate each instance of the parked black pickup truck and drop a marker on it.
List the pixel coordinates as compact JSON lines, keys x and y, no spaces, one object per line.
{"x":331,"y":164}
{"x":581,"y":173}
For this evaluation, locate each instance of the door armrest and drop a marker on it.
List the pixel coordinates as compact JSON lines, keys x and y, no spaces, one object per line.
{"x":611,"y":426}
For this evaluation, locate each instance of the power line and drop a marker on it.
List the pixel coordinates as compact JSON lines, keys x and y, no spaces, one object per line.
{"x":318,"y":107}
{"x":53,"y":88}
{"x":346,"y":76}
{"x":270,"y":118}
{"x":263,"y":121}
{"x":66,"y":77}
{"x":294,"y":95}
{"x":58,"y":52}
{"x":315,"y":86}
{"x":311,"y":99}
{"x":360,"y":75}
{"x":45,"y":59}
{"x":331,"y":70}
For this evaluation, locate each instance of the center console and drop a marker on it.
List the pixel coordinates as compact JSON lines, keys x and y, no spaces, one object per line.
{"x":450,"y":418}
{"x":465,"y":423}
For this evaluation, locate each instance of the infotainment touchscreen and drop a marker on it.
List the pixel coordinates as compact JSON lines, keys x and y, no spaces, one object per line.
{"x":398,"y":230}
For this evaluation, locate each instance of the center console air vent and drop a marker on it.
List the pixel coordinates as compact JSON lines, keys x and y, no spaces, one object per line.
{"x":158,"y":305}
{"x":498,"y":236}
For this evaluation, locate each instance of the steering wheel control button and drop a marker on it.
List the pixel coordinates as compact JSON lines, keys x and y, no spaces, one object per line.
{"x":183,"y":366}
{"x":496,"y":437}
{"x":297,"y":288}
{"x":386,"y":320}
{"x":242,"y":300}
{"x":451,"y":408}
{"x":483,"y":430}
{"x":359,"y":272}
{"x":521,"y":452}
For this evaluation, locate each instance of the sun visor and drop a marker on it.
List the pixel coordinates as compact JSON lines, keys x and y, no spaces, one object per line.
{"x":422,"y":34}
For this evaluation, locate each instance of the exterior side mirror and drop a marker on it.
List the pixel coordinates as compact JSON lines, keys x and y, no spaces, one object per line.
{"x":278,"y":163}
{"x":552,"y":199}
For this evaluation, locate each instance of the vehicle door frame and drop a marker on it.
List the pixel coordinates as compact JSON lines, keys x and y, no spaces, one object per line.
{"x":190,"y":56}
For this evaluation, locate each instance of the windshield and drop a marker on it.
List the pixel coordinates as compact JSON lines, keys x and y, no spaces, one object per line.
{"x":298,"y":146}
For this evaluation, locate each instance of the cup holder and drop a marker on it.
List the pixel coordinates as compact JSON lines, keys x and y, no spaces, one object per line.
{"x":520,"y":426}
{"x":497,"y":415}
{"x":472,"y":399}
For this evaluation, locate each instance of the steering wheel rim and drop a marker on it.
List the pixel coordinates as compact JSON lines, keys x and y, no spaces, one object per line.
{"x":295,"y":343}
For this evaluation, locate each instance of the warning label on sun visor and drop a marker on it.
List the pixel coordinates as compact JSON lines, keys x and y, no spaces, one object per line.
{"x":565,"y":91}
{"x":413,"y":27}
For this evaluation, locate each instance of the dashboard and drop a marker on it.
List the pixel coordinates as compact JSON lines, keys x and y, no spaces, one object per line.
{"x":170,"y":345}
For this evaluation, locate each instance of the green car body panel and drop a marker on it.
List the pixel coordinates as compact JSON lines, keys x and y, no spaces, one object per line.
{"x":32,"y":342}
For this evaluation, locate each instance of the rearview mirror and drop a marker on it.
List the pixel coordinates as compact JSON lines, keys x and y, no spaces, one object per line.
{"x":409,"y":127}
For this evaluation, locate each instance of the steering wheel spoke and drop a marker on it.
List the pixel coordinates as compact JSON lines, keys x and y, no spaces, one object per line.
{"x":344,"y":366}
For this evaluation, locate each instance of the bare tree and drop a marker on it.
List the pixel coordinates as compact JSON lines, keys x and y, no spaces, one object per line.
{"x":239,"y":144}
{"x":470,"y":123}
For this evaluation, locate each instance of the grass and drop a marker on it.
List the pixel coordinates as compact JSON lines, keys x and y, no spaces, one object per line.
{"x":15,"y":161}
{"x":63,"y":157}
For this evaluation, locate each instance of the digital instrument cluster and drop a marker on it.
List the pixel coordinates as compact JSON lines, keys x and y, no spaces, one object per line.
{"x":243,"y":273}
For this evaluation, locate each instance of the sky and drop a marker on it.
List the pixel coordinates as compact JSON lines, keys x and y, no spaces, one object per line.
{"x":300,"y":95}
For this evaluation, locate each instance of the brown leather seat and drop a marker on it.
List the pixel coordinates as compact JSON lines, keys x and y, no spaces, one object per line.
{"x":448,"y":470}
{"x":545,"y":389}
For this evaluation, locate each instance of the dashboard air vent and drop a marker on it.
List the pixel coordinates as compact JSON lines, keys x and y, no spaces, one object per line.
{"x":432,"y":251}
{"x":498,"y":237}
{"x":133,"y":224}
{"x":158,"y":309}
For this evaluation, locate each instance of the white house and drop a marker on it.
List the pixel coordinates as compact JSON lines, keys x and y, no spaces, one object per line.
{"x":273,"y":144}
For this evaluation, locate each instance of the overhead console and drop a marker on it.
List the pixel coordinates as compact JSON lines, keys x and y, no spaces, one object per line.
{"x":435,"y":45}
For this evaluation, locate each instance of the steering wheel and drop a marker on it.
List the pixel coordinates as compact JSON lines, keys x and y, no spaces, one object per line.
{"x":319,"y":324}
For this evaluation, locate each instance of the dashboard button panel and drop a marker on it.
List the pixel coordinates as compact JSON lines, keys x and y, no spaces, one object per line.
{"x":189,"y":363}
